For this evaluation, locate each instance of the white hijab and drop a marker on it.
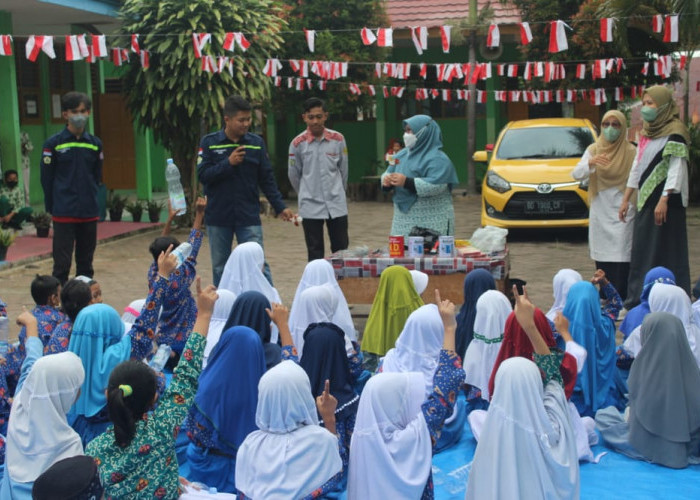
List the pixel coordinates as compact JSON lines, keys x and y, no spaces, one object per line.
{"x":219,"y":316}
{"x":38,"y":434}
{"x":492,"y":311}
{"x":420,"y":281}
{"x":418,"y":347}
{"x":673,"y":300}
{"x":390,"y":451}
{"x":561,"y":283}
{"x":131,"y":313}
{"x":291,"y":455}
{"x":320,"y":272}
{"x":527,"y":448}
{"x":243,"y":272}
{"x":316,"y":304}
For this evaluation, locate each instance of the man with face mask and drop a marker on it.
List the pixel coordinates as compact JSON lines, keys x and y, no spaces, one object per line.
{"x":71,"y":170}
{"x":12,"y":210}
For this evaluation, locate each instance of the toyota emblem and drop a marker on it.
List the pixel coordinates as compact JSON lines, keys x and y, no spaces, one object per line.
{"x":544,"y":188}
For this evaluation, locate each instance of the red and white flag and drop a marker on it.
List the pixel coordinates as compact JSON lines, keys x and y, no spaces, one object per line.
{"x":559,"y":94}
{"x":5,"y":45}
{"x":39,"y":43}
{"x":272,"y":66}
{"x":606,"y":29}
{"x":434,"y":93}
{"x":500,"y":95}
{"x":493,"y":39}
{"x":528,"y":71}
{"x":446,"y":95}
{"x":682,"y":62}
{"x":539,"y":69}
{"x":199,"y":41}
{"x":76,"y":48}
{"x":355,"y":89}
{"x":557,"y":36}
{"x":300,"y":84}
{"x":371,"y":91}
{"x":599,"y":69}
{"x":146,"y":59}
{"x":671,"y":29}
{"x":385,"y":37}
{"x":236,"y":38}
{"x":619,"y":95}
{"x":120,"y":56}
{"x":571,"y":96}
{"x":397,"y":91}
{"x":209,"y":64}
{"x":501,"y":69}
{"x":657,"y":23}
{"x":322,"y":84}
{"x":368,"y":37}
{"x":512,"y":70}
{"x":581,"y":71}
{"x":421,"y":94}
{"x":278,"y":81}
{"x":423,"y":70}
{"x":309,"y":84}
{"x":445,"y":32}
{"x":99,"y":46}
{"x":514,"y":95}
{"x":480,"y":96}
{"x":645,"y":68}
{"x":598,"y":97}
{"x":310,"y":39}
{"x":385,"y":91}
{"x":525,"y":33}
{"x":135,"y":43}
{"x":461,"y":94}
{"x":419,"y":36}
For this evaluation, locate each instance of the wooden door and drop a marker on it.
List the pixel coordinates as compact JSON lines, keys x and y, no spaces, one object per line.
{"x":117,"y":133}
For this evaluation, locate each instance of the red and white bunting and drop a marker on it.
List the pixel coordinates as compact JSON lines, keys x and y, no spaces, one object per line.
{"x":528,"y":71}
{"x":403,"y":70}
{"x":557,"y":36}
{"x":385,"y":37}
{"x":501,"y":69}
{"x":480,"y":97}
{"x":322,"y":84}
{"x":5,"y":45}
{"x":493,"y":38}
{"x":423,"y":71}
{"x":290,"y":82}
{"x":355,"y":89}
{"x":434,"y":93}
{"x":421,"y":94}
{"x":236,"y":38}
{"x":461,"y":94}
{"x":657,"y":23}
{"x":397,"y":91}
{"x":599,"y":69}
{"x":645,"y":68}
{"x":309,"y":84}
{"x":633,"y":92}
{"x":514,"y":95}
{"x":525,"y":33}
{"x":581,"y":71}
{"x":620,"y":64}
{"x":419,"y":36}
{"x":571,"y":96}
{"x":310,"y":36}
{"x":272,"y":66}
{"x":135,"y":43}
{"x":486,"y":71}
{"x":619,"y":95}
{"x":371,"y":91}
{"x":598,"y":97}
{"x":512,"y":70}
{"x":539,"y":69}
{"x":378,"y":69}
{"x":278,"y":81}
{"x":550,"y":71}
{"x":500,"y":96}
{"x":368,"y":37}
{"x":209,"y":64}
{"x":199,"y":41}
{"x":385,"y":91}
{"x":99,"y":46}
{"x":446,"y":95}
{"x":671,"y":29}
{"x":120,"y":56}
{"x":145,"y":57}
{"x":39,"y":43}
{"x":76,"y":48}
{"x":561,"y":72}
{"x":663,"y":66}
{"x":682,"y":62}
{"x":440,"y":72}
{"x":300,"y":84}
{"x":559,"y":95}
{"x":606,"y":29}
{"x":445,"y":32}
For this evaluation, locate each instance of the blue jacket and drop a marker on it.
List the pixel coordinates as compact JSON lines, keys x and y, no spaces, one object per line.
{"x":233,"y":192}
{"x":71,"y":170}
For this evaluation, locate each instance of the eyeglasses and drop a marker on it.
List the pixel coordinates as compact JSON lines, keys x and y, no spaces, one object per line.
{"x":611,"y":124}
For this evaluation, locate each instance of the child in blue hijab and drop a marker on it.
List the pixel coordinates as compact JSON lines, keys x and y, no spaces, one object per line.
{"x":635,"y":316}
{"x":422,"y":179}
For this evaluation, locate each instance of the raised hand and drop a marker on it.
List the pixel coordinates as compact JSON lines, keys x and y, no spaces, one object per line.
{"x":326,"y":405}
{"x":279,"y":314}
{"x":167,"y":262}
{"x":524,"y":309}
{"x":447,"y":310}
{"x":205,"y":298}
{"x":200,"y":205}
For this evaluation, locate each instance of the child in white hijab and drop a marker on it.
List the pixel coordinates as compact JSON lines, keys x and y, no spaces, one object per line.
{"x":244,"y":272}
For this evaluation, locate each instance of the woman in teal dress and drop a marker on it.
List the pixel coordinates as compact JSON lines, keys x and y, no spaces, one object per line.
{"x":422,"y":179}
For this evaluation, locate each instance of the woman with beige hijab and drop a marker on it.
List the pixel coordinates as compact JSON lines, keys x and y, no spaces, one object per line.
{"x":659,"y":181}
{"x":607,"y":163}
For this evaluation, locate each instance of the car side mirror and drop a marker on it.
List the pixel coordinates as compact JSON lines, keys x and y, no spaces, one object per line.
{"x":480,"y":156}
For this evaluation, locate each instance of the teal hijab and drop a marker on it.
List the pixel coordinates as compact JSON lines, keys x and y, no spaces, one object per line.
{"x":425,"y":160}
{"x":98,"y":339}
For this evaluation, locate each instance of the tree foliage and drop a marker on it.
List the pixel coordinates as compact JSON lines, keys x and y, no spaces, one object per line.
{"x":174,"y":97}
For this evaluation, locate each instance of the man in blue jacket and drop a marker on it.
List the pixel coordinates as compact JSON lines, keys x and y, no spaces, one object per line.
{"x":71,"y":170}
{"x":233,"y":166}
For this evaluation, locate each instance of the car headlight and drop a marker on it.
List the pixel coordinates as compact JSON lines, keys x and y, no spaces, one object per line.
{"x":497,"y":183}
{"x":584,"y":184}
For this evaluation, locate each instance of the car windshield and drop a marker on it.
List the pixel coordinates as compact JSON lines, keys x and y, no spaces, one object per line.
{"x":544,"y":142}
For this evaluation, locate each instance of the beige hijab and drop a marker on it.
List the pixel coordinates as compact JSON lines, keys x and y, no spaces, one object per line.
{"x":667,"y":121}
{"x":621,"y":155}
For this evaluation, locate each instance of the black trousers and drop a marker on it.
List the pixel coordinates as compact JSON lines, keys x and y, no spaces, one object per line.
{"x":617,"y":274}
{"x":313,"y":234}
{"x":82,"y":236}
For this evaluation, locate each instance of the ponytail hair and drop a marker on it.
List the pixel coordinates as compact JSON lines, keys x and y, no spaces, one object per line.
{"x":130,"y":394}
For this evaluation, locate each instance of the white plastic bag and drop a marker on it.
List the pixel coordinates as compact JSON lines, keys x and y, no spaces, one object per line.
{"x":489,"y":239}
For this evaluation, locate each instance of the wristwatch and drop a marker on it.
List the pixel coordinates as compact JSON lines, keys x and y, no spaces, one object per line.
{"x":664,"y":194}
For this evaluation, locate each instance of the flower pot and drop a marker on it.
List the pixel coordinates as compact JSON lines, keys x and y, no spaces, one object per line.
{"x":136,"y":217}
{"x":42,"y":232}
{"x":115,"y":215}
{"x":154,"y":216}
{"x":3,"y":253}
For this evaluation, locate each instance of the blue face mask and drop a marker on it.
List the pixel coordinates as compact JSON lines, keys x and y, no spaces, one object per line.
{"x":649,"y":114}
{"x":78,"y":120}
{"x":611,"y":134}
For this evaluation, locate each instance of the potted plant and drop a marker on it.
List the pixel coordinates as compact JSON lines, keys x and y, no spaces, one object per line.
{"x":154,"y":209}
{"x":135,"y":208}
{"x":42,"y":223}
{"x":116,"y":205}
{"x":7,"y":238}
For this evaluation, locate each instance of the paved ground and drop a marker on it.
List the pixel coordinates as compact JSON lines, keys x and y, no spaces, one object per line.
{"x":535,"y":255}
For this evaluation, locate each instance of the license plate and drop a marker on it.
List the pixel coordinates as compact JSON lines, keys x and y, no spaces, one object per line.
{"x":544,"y":207}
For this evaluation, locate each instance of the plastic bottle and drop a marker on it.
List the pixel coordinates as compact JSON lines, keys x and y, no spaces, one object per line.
{"x":182,"y":251}
{"x":177,"y":195}
{"x":160,"y":358}
{"x":4,"y":335}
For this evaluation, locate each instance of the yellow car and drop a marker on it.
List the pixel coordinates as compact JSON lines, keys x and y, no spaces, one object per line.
{"x":528,"y":182}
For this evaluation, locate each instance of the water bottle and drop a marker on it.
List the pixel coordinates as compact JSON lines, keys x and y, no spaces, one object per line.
{"x":160,"y":358}
{"x":181,"y":253}
{"x":177,"y":195}
{"x":4,"y":335}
